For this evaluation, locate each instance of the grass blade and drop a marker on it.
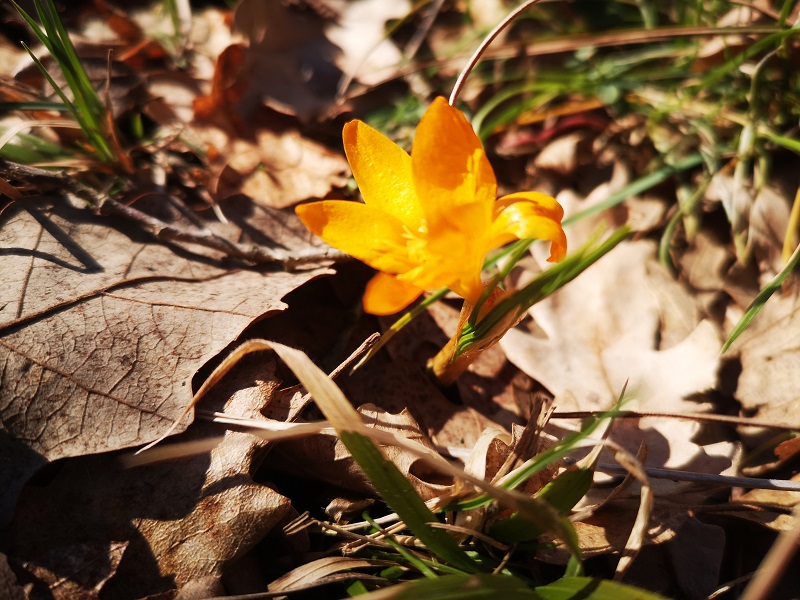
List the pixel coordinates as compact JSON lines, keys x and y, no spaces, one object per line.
{"x":458,"y":587}
{"x":85,"y":106}
{"x":392,"y":485}
{"x":637,"y":187}
{"x":761,"y":299}
{"x":571,"y":588}
{"x":489,"y":587}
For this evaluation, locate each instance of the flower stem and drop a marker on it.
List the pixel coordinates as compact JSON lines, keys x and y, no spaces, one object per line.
{"x":473,"y":60}
{"x":456,"y":356}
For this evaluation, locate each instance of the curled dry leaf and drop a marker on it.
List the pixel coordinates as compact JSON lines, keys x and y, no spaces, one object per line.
{"x":101,"y":333}
{"x":9,"y":588}
{"x":182,"y":520}
{"x":767,"y":385}
{"x":325,"y":458}
{"x":603,"y":330}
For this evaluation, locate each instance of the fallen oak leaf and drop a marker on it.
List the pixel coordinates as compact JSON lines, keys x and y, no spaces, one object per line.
{"x":287,"y":65}
{"x":768,"y":350}
{"x":366,"y":50}
{"x":184,"y":520}
{"x":100,"y":339}
{"x":586,"y":341}
{"x":9,"y":588}
{"x":285,"y":254}
{"x":79,"y":570}
{"x":276,"y":168}
{"x":325,"y":458}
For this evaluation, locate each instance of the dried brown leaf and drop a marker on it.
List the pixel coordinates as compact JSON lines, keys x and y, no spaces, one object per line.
{"x":277,"y":169}
{"x":288,"y":64}
{"x":367,"y":53}
{"x":788,"y":449}
{"x":779,"y":499}
{"x":603,"y":330}
{"x":9,"y":588}
{"x":309,"y":574}
{"x":767,"y":385}
{"x":608,"y":530}
{"x":78,"y":571}
{"x":325,"y":458}
{"x":182,"y":520}
{"x":101,"y":332}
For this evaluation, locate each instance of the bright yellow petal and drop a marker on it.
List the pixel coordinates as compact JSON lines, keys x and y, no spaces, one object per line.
{"x":387,"y":295}
{"x":364,"y":232}
{"x":454,"y":253}
{"x":546,"y":205}
{"x":449,"y":164}
{"x":383,"y":172}
{"x":527,"y":215}
{"x":470,"y":288}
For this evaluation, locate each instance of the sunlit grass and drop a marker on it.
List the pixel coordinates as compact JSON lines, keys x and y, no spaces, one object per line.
{"x":85,"y":104}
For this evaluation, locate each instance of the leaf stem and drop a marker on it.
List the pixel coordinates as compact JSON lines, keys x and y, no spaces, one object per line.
{"x":476,"y":56}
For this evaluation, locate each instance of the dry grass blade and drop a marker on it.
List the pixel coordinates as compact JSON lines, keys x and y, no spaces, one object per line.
{"x":775,"y":562}
{"x":639,"y":529}
{"x":219,"y":372}
{"x":473,"y":60}
{"x":224,"y":367}
{"x":275,"y":431}
{"x":346,"y":420}
{"x":308,"y":575}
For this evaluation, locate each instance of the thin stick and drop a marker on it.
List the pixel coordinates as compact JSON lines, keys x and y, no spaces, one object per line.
{"x":202,"y":237}
{"x":702,"y":417}
{"x":161,"y":230}
{"x":727,"y":587}
{"x":775,"y":563}
{"x":710,"y":478}
{"x":473,"y":60}
{"x":419,"y":36}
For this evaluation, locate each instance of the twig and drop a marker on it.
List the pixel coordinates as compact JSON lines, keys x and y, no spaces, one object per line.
{"x":704,"y":417}
{"x":728,"y":586}
{"x":419,"y":36}
{"x":710,"y":478}
{"x":161,"y":230}
{"x":776,"y":561}
{"x":473,"y":60}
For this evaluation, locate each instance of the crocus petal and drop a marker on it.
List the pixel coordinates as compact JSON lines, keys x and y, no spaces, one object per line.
{"x":387,"y":295}
{"x":470,"y":288}
{"x":365,"y":232}
{"x":527,"y":215}
{"x":383,"y":172}
{"x":546,"y":205}
{"x":449,"y":164}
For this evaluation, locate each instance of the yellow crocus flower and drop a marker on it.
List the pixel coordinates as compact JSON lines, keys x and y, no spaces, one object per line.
{"x":429,"y":219}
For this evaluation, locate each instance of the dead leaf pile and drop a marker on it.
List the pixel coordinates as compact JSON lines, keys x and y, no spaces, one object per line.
{"x":125,"y":287}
